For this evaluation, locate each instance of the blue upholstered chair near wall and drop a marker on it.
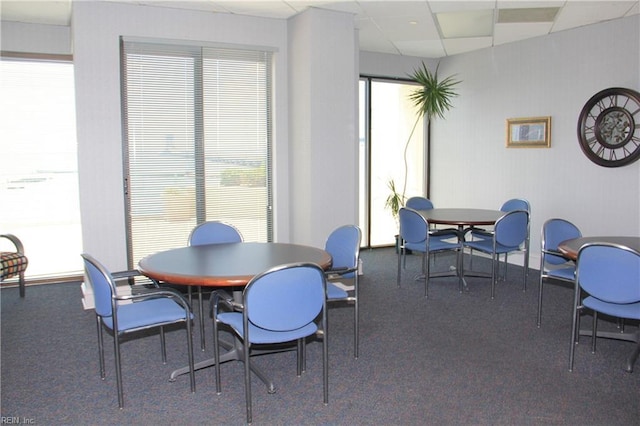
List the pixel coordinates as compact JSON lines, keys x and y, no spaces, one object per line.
{"x":343,"y":245}
{"x":153,"y":308}
{"x":211,"y":232}
{"x":280,"y":305}
{"x":507,"y":206}
{"x":511,"y":233}
{"x":415,"y":235}
{"x":554,"y":266}
{"x":14,"y":263}
{"x":610,"y":275}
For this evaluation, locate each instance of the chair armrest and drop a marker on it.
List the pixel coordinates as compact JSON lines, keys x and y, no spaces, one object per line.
{"x":16,"y":242}
{"x":146,"y":294}
{"x":133,"y":273}
{"x":221,"y":297}
{"x":338,"y":272}
{"x":448,"y":231}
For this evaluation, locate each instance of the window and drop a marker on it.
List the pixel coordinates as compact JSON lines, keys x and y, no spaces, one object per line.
{"x":38,"y":164}
{"x":387,"y":119}
{"x":197,"y":135}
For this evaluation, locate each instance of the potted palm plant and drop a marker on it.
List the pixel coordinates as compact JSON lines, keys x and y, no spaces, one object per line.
{"x":432,"y":99}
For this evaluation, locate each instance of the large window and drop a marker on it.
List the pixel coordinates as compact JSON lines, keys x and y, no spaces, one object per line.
{"x":197,"y":124}
{"x":39,"y":200}
{"x":389,"y":152}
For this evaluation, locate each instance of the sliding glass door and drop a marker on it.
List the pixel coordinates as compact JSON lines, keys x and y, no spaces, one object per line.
{"x":392,"y":152}
{"x":197,"y":142}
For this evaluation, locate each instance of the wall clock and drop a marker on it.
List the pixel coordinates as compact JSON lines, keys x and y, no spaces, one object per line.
{"x":609,"y":127}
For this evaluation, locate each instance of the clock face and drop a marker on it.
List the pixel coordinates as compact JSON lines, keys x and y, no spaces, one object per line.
{"x":609,"y":127}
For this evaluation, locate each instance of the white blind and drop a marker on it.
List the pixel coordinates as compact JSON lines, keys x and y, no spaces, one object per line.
{"x":197,"y":136}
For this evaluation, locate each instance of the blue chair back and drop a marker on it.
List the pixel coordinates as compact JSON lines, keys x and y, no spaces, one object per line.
{"x":419,"y":203}
{"x":343,"y":245}
{"x":512,"y":229}
{"x":214,"y":232}
{"x":103,"y":285}
{"x":414,"y":228}
{"x":609,"y":272}
{"x":515,"y":204}
{"x":555,"y":231}
{"x":285,"y":298}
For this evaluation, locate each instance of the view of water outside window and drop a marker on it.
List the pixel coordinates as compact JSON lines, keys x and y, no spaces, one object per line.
{"x":38,"y":164}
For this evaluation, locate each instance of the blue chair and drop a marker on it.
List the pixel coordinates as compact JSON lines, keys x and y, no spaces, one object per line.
{"x":211,"y":232}
{"x":610,"y":275}
{"x":507,"y":206}
{"x":415,"y":235}
{"x":343,"y":244}
{"x":153,"y":308}
{"x":419,"y":203}
{"x":280,"y":305}
{"x":553,"y":265}
{"x":14,"y":263}
{"x":511,"y":233}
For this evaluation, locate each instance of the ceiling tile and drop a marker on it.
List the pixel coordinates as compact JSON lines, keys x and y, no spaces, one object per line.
{"x":507,"y":33}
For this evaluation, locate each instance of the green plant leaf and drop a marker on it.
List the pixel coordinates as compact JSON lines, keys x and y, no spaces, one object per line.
{"x":433,"y":98}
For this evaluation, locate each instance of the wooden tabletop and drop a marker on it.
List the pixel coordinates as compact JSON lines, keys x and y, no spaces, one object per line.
{"x":571,"y":247}
{"x":226,"y":265}
{"x":461,"y":216}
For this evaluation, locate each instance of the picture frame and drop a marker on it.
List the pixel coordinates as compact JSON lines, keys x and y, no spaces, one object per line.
{"x":530,"y":132}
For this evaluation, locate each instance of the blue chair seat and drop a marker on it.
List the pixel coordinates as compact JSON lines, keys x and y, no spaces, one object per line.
{"x":566,"y":274}
{"x":334,"y":292}
{"x":260,"y":335}
{"x":147,"y":313}
{"x":628,"y":310}
{"x":486,"y":245}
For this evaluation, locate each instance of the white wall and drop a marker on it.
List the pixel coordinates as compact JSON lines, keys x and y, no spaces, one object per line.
{"x":552,"y":76}
{"x":35,"y":38}
{"x":323,"y":124}
{"x":96,"y":30}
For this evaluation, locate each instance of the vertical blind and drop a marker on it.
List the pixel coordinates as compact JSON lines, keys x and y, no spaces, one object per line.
{"x":197,"y":142}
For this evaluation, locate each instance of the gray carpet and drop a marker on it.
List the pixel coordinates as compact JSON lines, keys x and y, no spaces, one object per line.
{"x":454,"y":359}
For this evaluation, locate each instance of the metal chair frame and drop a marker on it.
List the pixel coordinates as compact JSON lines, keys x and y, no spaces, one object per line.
{"x":95,"y":273}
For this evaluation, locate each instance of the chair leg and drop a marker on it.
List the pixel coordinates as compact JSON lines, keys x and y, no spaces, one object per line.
{"x":425,"y":268}
{"x":201,"y":319}
{"x":495,"y":260}
{"x":163,"y":346}
{"x":100,"y":347}
{"x":247,"y":379}
{"x":398,"y":277}
{"x":325,"y":357}
{"x":356,"y":316}
{"x":594,"y":332}
{"x":216,"y":355}
{"x":299,"y":357}
{"x":192,"y":373}
{"x":21,"y":283}
{"x":539,"y":319}
{"x":116,"y":350}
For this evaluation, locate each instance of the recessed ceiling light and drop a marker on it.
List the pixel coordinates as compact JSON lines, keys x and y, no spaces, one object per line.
{"x":475,"y":23}
{"x":538,"y":14}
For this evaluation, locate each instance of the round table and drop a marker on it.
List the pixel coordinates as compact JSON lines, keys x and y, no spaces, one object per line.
{"x":226,"y":265}
{"x":461,"y":217}
{"x":571,"y":247}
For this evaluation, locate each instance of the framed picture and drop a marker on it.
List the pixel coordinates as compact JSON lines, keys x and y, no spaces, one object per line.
{"x":533,"y":132}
